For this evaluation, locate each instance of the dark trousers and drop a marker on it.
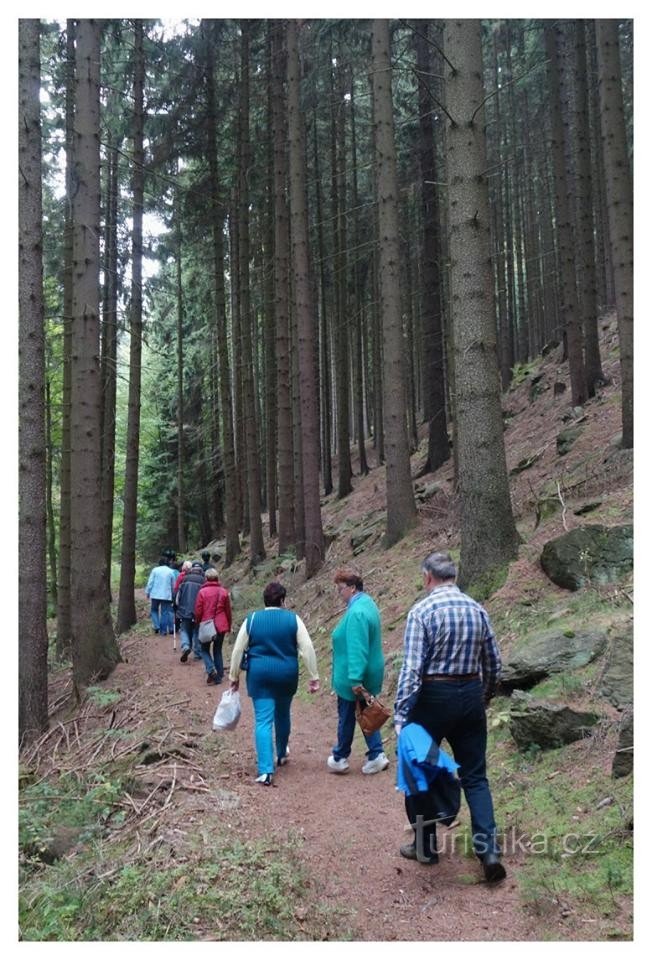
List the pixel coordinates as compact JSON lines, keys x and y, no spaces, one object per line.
{"x":455,"y":710}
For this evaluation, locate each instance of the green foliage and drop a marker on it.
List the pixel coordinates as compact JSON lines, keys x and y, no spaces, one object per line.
{"x":247,"y":891}
{"x":101,"y":697}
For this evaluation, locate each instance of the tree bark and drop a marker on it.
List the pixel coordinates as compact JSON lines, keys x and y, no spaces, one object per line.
{"x":109,"y":358}
{"x":563,"y":214}
{"x":64,"y":627}
{"x":181,"y":505}
{"x":488,"y":532}
{"x":432,"y":343}
{"x":217,"y":226}
{"x":324,"y":336}
{"x":94,"y":648}
{"x":32,"y":584}
{"x":401,"y":508}
{"x":126,"y":599}
{"x":256,"y":542}
{"x":618,"y":181}
{"x":306,"y":321}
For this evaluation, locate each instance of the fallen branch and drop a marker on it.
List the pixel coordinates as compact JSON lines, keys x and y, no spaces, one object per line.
{"x":563,"y":506}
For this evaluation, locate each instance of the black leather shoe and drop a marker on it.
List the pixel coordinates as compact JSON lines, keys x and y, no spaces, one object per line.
{"x":494,"y":871}
{"x":184,"y":656}
{"x":409,"y":851}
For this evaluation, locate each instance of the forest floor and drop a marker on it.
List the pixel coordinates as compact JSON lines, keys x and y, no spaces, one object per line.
{"x":182,"y":843}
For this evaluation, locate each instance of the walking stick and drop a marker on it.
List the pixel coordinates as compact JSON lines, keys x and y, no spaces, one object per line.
{"x":174,"y":631}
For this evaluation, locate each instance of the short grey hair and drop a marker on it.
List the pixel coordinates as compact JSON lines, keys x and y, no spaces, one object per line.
{"x":440,"y":565}
{"x":187,"y":565}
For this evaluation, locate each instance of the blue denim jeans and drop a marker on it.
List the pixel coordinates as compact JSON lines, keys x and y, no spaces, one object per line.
{"x":213,"y":662}
{"x":455,"y":710}
{"x":188,"y":631}
{"x":162,"y":616}
{"x":272,"y":715}
{"x":346,"y":729}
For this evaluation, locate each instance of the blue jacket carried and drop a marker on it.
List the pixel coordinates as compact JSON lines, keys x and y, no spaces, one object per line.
{"x":423,"y":767}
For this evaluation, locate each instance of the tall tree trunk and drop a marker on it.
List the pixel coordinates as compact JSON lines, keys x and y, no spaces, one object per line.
{"x":359,"y":297}
{"x":256,"y":542}
{"x":563,"y":213}
{"x":126,"y":600}
{"x":619,"y":208}
{"x":32,"y":662}
{"x":588,"y":291}
{"x":286,"y":534}
{"x":271,"y":452}
{"x":94,"y":648}
{"x":401,"y":508}
{"x":238,"y":372}
{"x":324,"y":337}
{"x":217,"y":225}
{"x":602,"y":251}
{"x":432,"y":343}
{"x":306,"y":322}
{"x":109,"y":358}
{"x":49,"y":483}
{"x":341,"y":339}
{"x":503,"y":320}
{"x":64,"y":627}
{"x":489,"y":537}
{"x":181,"y":506}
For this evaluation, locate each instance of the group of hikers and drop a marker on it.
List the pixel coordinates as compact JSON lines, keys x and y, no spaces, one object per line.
{"x":450,"y":668}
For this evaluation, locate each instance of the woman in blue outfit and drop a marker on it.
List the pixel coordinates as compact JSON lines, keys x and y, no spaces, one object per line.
{"x":272,"y":639}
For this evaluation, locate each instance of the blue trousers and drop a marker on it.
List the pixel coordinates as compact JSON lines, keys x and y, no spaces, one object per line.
{"x":272,"y":716}
{"x":162,"y":616}
{"x":213,"y":662}
{"x":346,"y":729}
{"x":455,"y":710}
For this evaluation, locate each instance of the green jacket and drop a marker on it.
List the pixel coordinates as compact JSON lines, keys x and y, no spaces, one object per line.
{"x":357,"y":649}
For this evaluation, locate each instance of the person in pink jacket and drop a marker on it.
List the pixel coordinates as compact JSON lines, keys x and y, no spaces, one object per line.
{"x":213,"y":603}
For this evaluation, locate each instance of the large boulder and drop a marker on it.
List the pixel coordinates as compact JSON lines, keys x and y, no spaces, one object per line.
{"x":618,"y":678}
{"x":593,"y":553}
{"x":623,"y":762}
{"x":551,"y":651}
{"x":546,"y":724}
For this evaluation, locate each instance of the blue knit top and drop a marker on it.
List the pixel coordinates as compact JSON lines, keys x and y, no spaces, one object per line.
{"x":272,"y":653}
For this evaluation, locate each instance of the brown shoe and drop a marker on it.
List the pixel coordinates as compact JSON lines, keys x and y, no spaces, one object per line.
{"x":212,"y":678}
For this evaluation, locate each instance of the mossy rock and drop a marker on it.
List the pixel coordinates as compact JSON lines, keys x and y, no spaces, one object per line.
{"x":623,"y":762}
{"x":548,"y":725}
{"x":618,"y":679}
{"x":566,"y":439}
{"x":551,"y":651}
{"x":594,"y":553}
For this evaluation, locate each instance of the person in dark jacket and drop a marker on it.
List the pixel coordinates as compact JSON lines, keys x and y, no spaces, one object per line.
{"x":186,"y":596}
{"x":206,"y":558}
{"x":213,"y":603}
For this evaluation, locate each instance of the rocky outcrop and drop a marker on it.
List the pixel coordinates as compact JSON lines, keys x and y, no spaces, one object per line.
{"x":618,"y":678}
{"x":593,"y":553}
{"x":566,"y":439}
{"x":623,"y":762}
{"x":551,"y":651}
{"x":547,"y":725}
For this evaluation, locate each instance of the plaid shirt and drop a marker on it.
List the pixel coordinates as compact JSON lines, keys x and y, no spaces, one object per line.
{"x":448,"y":633}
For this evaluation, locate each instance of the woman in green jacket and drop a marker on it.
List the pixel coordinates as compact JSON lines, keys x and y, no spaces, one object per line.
{"x":357,"y":662}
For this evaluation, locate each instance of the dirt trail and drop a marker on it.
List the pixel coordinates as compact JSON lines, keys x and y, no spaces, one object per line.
{"x":352,"y":825}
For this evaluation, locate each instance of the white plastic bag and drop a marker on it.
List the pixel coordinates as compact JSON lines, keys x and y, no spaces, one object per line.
{"x":228,"y":711}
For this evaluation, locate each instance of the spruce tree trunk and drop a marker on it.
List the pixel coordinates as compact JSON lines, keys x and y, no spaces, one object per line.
{"x":94,"y":648}
{"x":401,"y":508}
{"x":306,"y":321}
{"x":32,"y":583}
{"x":341,"y":338}
{"x":286,"y":535}
{"x":564,"y":223}
{"x":64,"y":627}
{"x":359,"y":299}
{"x":432,"y":342}
{"x":324,"y":334}
{"x":256,"y":542}
{"x":587,"y":279}
{"x":49,"y":483}
{"x":181,"y":506}
{"x":488,"y":533}
{"x":503,"y":320}
{"x":109,"y":359}
{"x":618,"y":182}
{"x":126,"y":599}
{"x":271,"y":416}
{"x":217,"y":224}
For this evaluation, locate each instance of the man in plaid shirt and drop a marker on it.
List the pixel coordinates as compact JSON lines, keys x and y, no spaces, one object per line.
{"x":450,"y":667}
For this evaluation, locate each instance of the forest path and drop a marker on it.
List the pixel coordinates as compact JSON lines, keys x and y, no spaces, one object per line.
{"x":352,"y":825}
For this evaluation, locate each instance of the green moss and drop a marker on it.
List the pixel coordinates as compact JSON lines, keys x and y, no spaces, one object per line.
{"x":488,"y":583}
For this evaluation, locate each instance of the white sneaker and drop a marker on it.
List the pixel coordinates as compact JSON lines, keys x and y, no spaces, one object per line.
{"x":375,"y":766}
{"x":337,"y":766}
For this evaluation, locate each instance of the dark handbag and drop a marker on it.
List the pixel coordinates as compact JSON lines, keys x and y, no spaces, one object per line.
{"x":370,"y":713}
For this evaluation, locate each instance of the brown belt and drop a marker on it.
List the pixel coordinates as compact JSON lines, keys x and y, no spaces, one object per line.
{"x":431,"y":677}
